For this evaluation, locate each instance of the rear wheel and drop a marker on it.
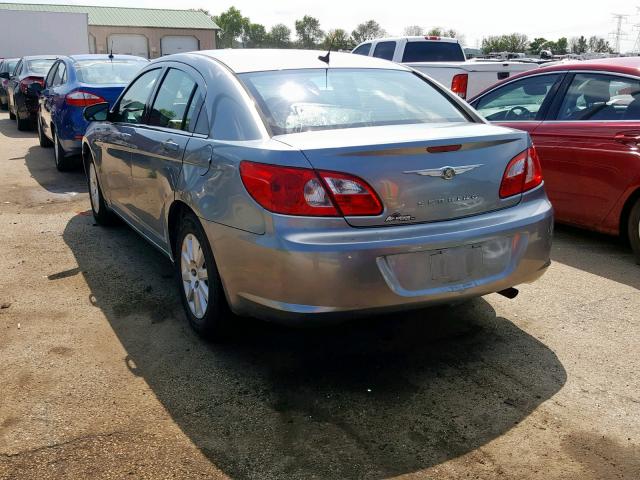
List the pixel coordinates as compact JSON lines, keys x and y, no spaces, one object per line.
{"x":200,"y":286}
{"x":42,"y":138}
{"x":12,"y":116}
{"x":63,"y":163}
{"x":633,"y":228}
{"x":101,"y":211}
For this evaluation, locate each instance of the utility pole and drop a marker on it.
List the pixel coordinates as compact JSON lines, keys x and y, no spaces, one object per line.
{"x":636,"y":46}
{"x":618,"y":34}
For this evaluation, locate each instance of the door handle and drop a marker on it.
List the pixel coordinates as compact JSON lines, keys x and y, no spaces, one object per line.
{"x":628,"y":138}
{"x":170,"y":146}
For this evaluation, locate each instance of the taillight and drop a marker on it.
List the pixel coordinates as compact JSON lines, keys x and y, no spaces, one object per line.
{"x":25,"y":82}
{"x":459,"y":84}
{"x":79,"y":98}
{"x":303,"y":191}
{"x":522,"y":174}
{"x":432,"y":37}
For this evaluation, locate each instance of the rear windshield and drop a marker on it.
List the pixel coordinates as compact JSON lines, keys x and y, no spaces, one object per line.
{"x":322,"y":99}
{"x":433,"y":52}
{"x":40,"y":66}
{"x":103,"y":72}
{"x":8,"y":66}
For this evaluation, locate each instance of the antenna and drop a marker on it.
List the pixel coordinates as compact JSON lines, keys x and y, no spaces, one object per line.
{"x":325,"y":58}
{"x":111,"y":51}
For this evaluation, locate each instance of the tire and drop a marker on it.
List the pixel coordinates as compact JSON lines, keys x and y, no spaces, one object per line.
{"x":42,"y":138}
{"x":63,"y":163}
{"x":12,"y":116}
{"x":633,"y":229}
{"x":199,"y":282}
{"x":101,"y":211}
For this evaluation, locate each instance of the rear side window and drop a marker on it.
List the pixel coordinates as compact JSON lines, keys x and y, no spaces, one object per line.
{"x":363,"y":49}
{"x":171,"y":108}
{"x":517,"y":101}
{"x":385,"y":50}
{"x":131,"y":107}
{"x":593,"y":96}
{"x":432,"y":51}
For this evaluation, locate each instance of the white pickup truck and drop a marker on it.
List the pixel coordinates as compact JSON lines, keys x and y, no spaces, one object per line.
{"x":443,"y":60}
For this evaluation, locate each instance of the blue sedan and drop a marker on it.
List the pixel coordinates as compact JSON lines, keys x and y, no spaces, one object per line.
{"x":72,"y":84}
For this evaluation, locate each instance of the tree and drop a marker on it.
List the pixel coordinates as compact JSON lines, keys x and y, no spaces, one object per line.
{"x":309,"y":32}
{"x":339,"y":39}
{"x":254,"y":36}
{"x":444,"y":32}
{"x":560,"y":47}
{"x":599,"y":45}
{"x":368,"y":31}
{"x":514,"y":42}
{"x":232,"y":26}
{"x":537,"y":44}
{"x":279,"y":36}
{"x":578,"y":45}
{"x":414,"y":31}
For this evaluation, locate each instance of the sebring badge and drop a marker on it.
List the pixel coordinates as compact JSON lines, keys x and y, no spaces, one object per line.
{"x":446,"y":173}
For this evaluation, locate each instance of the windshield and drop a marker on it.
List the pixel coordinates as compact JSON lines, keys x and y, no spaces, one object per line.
{"x":322,"y":99}
{"x":9,"y":66}
{"x":107,"y":71}
{"x":40,"y":66}
{"x":434,"y":51}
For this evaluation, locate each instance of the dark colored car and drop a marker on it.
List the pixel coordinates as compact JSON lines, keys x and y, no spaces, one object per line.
{"x":22,"y":101}
{"x":584,"y":119}
{"x":7,"y":66}
{"x":72,"y":84}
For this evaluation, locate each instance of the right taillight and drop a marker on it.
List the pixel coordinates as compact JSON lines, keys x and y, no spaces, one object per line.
{"x":459,"y":84}
{"x":304,"y":191}
{"x":80,"y":98}
{"x":522,"y":173}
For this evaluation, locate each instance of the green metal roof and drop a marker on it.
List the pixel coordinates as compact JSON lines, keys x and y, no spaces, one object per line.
{"x":126,"y":17}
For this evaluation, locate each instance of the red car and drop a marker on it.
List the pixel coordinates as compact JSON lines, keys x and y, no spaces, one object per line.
{"x":584,"y":119}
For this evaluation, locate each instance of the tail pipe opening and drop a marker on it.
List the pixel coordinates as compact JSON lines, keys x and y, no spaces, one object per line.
{"x":510,"y":293}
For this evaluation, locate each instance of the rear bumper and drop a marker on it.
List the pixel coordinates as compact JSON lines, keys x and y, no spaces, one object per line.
{"x":26,"y":106}
{"x":304,"y":268}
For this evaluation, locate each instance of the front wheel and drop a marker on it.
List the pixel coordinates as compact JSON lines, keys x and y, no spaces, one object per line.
{"x":633,"y":228}
{"x":200,"y":286}
{"x":101,"y":211}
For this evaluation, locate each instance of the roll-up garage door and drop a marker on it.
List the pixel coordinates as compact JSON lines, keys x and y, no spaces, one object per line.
{"x":129,"y":44}
{"x":178,"y":43}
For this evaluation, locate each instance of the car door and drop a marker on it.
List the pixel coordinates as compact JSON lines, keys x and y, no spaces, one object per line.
{"x":590,"y":143}
{"x":12,"y":85}
{"x":160,"y":144}
{"x":56,"y":98}
{"x":115,"y":141}
{"x":45,"y":100}
{"x":523,"y":104}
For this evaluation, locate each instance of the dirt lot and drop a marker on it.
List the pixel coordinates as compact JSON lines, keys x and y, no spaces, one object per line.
{"x":101,"y":376}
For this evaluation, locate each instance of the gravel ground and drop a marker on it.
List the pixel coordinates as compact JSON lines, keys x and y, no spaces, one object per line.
{"x":101,"y":376}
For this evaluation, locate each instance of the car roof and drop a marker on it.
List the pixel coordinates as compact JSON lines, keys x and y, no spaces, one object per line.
{"x":415,"y":38}
{"x":259,"y":60}
{"x":40,"y":57}
{"x":624,"y":65}
{"x":104,"y":56}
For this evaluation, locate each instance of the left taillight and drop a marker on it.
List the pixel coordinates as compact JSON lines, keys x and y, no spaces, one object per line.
{"x":459,"y":84}
{"x":307,"y":192}
{"x":25,"y":82}
{"x":522,"y":174}
{"x":80,"y":98}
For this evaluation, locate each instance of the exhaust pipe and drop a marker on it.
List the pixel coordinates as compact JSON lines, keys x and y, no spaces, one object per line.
{"x":510,"y":293}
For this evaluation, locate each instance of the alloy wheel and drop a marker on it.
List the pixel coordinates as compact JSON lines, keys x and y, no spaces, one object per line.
{"x":195,"y":277}
{"x":93,"y":188}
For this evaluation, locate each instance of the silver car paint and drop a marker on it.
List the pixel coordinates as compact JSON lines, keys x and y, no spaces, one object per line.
{"x":278,"y":266}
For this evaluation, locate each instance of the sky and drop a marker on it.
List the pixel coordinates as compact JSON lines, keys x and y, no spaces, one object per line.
{"x":475,"y":19}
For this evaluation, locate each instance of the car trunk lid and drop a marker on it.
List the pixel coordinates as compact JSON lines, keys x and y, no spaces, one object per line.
{"x":422,"y":173}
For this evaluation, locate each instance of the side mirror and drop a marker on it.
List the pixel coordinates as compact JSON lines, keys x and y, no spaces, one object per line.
{"x":97,"y":113}
{"x":5,"y":75}
{"x":35,"y":89}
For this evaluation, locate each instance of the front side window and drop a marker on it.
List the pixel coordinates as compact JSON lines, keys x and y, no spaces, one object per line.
{"x":51,"y":75}
{"x":104,"y":72}
{"x":320,"y":99}
{"x":385,"y":50}
{"x":61,"y":75}
{"x":131,"y":107}
{"x":593,"y":96}
{"x":171,"y":108}
{"x":517,"y":101}
{"x":363,"y":49}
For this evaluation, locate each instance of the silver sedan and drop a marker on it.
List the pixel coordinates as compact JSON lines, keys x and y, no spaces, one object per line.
{"x":289,"y":186}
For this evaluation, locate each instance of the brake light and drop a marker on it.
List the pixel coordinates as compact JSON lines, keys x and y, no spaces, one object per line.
{"x":25,"y":82}
{"x":522,"y":174}
{"x":431,"y":37}
{"x":459,"y":84}
{"x":80,"y":98}
{"x":303,"y":191}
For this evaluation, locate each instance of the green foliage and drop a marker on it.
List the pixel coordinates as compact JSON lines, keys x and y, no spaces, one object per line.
{"x":340,"y":39}
{"x":537,"y":45}
{"x":309,"y":32}
{"x":367,"y":31}
{"x":599,"y":45}
{"x":514,"y":42}
{"x":255,"y":36}
{"x":413,"y":31}
{"x":279,"y":36}
{"x":579,"y":45}
{"x":233,"y":26}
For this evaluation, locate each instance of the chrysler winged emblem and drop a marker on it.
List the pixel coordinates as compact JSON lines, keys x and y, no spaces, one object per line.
{"x":446,"y":173}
